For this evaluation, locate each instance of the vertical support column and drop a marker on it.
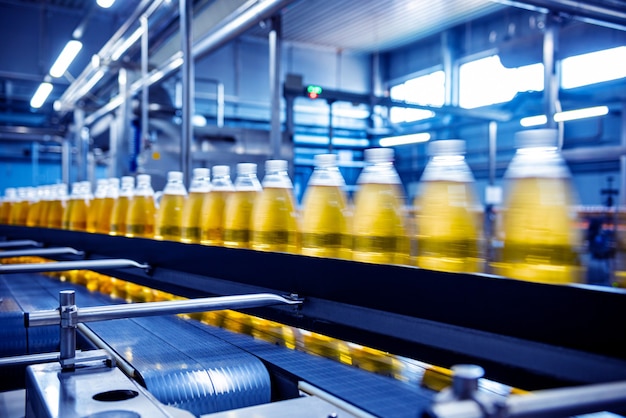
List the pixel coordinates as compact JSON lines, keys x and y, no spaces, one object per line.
{"x":187,"y":71}
{"x":66,"y":160}
{"x":550,"y":75}
{"x":34,"y":155}
{"x":82,"y":144}
{"x":493,"y":138}
{"x":119,"y":135}
{"x":451,"y":74}
{"x":221,"y":104}
{"x":275,"y":37}
{"x":143,"y":138}
{"x":68,"y":312}
{"x":622,"y":160}
{"x":330,"y":125}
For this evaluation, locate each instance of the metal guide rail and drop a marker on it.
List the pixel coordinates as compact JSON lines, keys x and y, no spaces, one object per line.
{"x":528,"y":335}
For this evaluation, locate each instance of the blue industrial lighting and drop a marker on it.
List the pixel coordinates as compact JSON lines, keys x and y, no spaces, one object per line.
{"x":393,"y":141}
{"x":40,"y":96}
{"x":72,"y":48}
{"x":105,"y":4}
{"x":587,"y":112}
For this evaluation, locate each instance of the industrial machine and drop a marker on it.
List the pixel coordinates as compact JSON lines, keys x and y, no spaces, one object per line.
{"x":72,"y":349}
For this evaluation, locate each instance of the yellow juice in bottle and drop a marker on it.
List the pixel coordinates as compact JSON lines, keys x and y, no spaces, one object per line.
{"x":10,"y":195}
{"x":34,"y":211}
{"x":120,"y":207}
{"x":379,"y":234}
{"x":169,"y":217}
{"x":140,"y":221}
{"x":142,"y":209}
{"x":57,"y":207}
{"x":192,"y":215}
{"x":19,"y":210}
{"x":274,"y":221}
{"x":212,"y":218}
{"x":78,"y":214}
{"x":44,"y":209}
{"x":239,"y":206}
{"x":191,"y":230}
{"x":96,"y":207}
{"x":237,"y":218}
{"x":325,"y":229}
{"x":448,"y":226}
{"x":540,"y":233}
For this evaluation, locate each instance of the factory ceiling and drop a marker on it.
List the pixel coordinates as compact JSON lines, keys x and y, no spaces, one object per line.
{"x":365,"y":26}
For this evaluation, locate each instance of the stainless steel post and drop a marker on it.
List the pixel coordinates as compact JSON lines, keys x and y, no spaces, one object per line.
{"x":551,"y":81}
{"x":68,"y":313}
{"x":144,"y":87}
{"x":275,"y":36}
{"x":186,"y":38}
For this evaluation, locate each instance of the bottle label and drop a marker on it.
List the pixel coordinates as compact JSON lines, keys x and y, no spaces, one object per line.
{"x":323,"y":240}
{"x":377,"y":244}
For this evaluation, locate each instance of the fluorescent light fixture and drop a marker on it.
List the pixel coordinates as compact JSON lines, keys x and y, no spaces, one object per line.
{"x":323,"y":140}
{"x":533,"y":121}
{"x":65,"y":58}
{"x":40,"y":96}
{"x":392,"y":141}
{"x":105,"y":4}
{"x":198,"y":120}
{"x":119,"y":51}
{"x":588,"y":112}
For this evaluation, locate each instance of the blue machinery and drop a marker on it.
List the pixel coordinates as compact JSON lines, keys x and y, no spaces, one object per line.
{"x":567,"y":343}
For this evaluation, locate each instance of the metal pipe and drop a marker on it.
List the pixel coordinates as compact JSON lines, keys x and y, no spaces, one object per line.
{"x":20,"y":243}
{"x":221,"y":104}
{"x":214,"y":40}
{"x":120,"y":361}
{"x":144,"y":89}
{"x":493,"y":138}
{"x":622,"y":159}
{"x":71,"y":265}
{"x":66,"y":160}
{"x":40,"y":252}
{"x":551,"y":82}
{"x":330,"y":126}
{"x":187,"y":70}
{"x":28,"y":359}
{"x":274,"y":39}
{"x":133,"y":310}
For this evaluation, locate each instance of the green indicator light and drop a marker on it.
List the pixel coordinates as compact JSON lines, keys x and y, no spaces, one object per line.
{"x":314,"y":90}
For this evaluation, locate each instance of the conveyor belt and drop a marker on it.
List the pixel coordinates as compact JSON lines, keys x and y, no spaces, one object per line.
{"x":179,"y":364}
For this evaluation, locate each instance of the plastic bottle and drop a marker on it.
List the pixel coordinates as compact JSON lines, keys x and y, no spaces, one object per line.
{"x":448,"y":215}
{"x":120,"y":207}
{"x":19,"y":210}
{"x":274,"y":223}
{"x":106,"y":211}
{"x":539,"y":233}
{"x":192,"y":210}
{"x":239,"y":206}
{"x":379,"y":224}
{"x":46,"y":199}
{"x":10,"y":199}
{"x":325,"y":214}
{"x":97,"y":205}
{"x":169,"y":215}
{"x":141,"y":211}
{"x":58,"y":206}
{"x":34,"y":209}
{"x":212,"y":220}
{"x":80,"y":208}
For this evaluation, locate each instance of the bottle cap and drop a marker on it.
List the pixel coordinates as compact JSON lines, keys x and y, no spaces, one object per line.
{"x":10,"y":192}
{"x":221,"y":170}
{"x":535,"y":138}
{"x":113,"y":181}
{"x":246,"y":168}
{"x":143,"y":178}
{"x":325,"y":160}
{"x":175,"y":176}
{"x":102,"y":182}
{"x":128,"y":181}
{"x":447,"y":147}
{"x":378,"y":155}
{"x":201,"y":172}
{"x":276,"y":165}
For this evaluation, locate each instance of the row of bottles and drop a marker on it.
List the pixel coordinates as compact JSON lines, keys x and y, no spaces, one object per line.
{"x":539,"y":240}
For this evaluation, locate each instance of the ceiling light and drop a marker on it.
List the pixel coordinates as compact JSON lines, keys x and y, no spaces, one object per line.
{"x":40,"y":96}
{"x":533,"y":121}
{"x":65,"y":58}
{"x":588,"y":112}
{"x":105,"y":4}
{"x":392,"y":141}
{"x":119,"y":51}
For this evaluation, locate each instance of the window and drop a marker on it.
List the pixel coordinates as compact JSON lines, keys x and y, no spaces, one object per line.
{"x":594,"y":67}
{"x":427,"y":90}
{"x":486,"y":81}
